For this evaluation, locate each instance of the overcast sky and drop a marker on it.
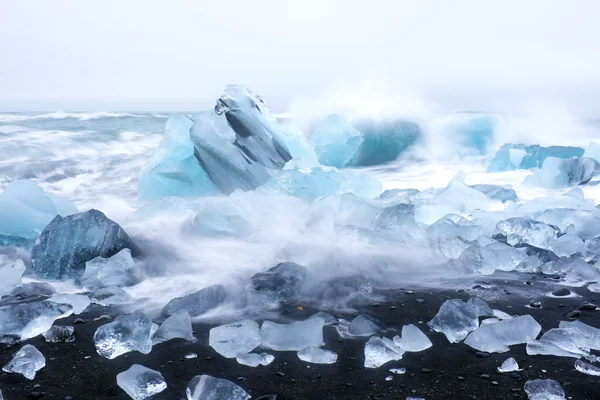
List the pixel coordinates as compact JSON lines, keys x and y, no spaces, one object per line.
{"x":178,"y":55}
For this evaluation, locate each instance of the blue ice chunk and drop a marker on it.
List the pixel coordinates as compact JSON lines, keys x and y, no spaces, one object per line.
{"x":220,"y":223}
{"x":495,"y":192}
{"x":519,"y":156}
{"x":592,"y":151}
{"x":238,"y":144}
{"x":25,"y":210}
{"x":469,"y":132}
{"x":558,"y":172}
{"x":310,"y":184}
{"x":297,"y":143}
{"x":357,"y":211}
{"x":174,"y":170}
{"x":336,"y":141}
{"x":199,"y":302}
{"x":384,"y":140}
{"x":66,"y":244}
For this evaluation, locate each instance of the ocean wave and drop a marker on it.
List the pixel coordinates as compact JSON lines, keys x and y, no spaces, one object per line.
{"x":7,"y":129}
{"x":65,"y":115}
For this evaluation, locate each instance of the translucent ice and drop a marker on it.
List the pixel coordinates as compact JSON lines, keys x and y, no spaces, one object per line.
{"x":283,"y":281}
{"x":27,"y":361}
{"x":118,"y":270}
{"x":583,"y":223}
{"x":469,"y":133}
{"x":587,"y":368}
{"x":23,"y":321}
{"x":66,"y":244}
{"x":399,"y":221}
{"x":544,"y":389}
{"x":25,"y":209}
{"x":519,"y":156}
{"x":126,"y":333}
{"x":336,"y":141}
{"x":316,"y":355}
{"x":572,"y":269}
{"x":206,"y":387}
{"x":174,"y":170}
{"x":110,"y":295}
{"x":566,"y":341}
{"x":11,"y":272}
{"x":220,"y":223}
{"x":495,"y":338}
{"x":239,"y":337}
{"x":297,"y":142}
{"x":412,"y":339}
{"x":509,"y":365}
{"x":499,"y":193}
{"x":592,"y":151}
{"x":567,"y":245}
{"x":254,"y":360}
{"x":558,"y":173}
{"x":364,"y":325}
{"x":356,"y":211}
{"x":456,"y":318}
{"x":177,"y":326}
{"x":327,"y":318}
{"x":58,"y":333}
{"x":494,"y":256}
{"x":79,"y":302}
{"x":445,"y":227}
{"x":294,"y":336}
{"x":379,"y":351}
{"x":523,"y":230}
{"x":140,"y":382}
{"x":199,"y":302}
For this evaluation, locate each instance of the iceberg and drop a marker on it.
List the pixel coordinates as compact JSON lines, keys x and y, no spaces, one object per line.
{"x":559,"y":173}
{"x":177,"y":326}
{"x":316,"y":355}
{"x":283,"y":281}
{"x":544,"y":389}
{"x":519,"y":156}
{"x":25,"y":210}
{"x":412,"y":339}
{"x":126,"y":333}
{"x":199,"y":302}
{"x":206,"y":387}
{"x":27,"y":361}
{"x":456,"y":319}
{"x":379,"y":351}
{"x":118,"y":270}
{"x":11,"y":273}
{"x":496,"y":337}
{"x":140,"y":382}
{"x":59,"y":333}
{"x":294,"y":336}
{"x":235,"y":338}
{"x":22,"y":321}
{"x":174,"y":169}
{"x":66,"y":244}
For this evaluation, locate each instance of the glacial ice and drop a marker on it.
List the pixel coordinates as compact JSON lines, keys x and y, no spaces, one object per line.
{"x":108,"y":296}
{"x":587,"y":368}
{"x":294,"y":336}
{"x":364,"y":325}
{"x":174,"y":169}
{"x":316,"y":355}
{"x":27,"y":361}
{"x":79,"y":302}
{"x":523,"y":230}
{"x":236,"y":338}
{"x":495,"y":338}
{"x":131,"y":332}
{"x":283,"y":281}
{"x":297,"y":143}
{"x":59,"y":333}
{"x":22,"y":321}
{"x":446,"y":227}
{"x":199,"y":302}
{"x":470,"y":133}
{"x":499,"y":193}
{"x":220,"y":223}
{"x":558,"y":173}
{"x":412,"y":339}
{"x":327,"y":318}
{"x":118,"y":270}
{"x":592,"y":151}
{"x":254,"y":360}
{"x":456,"y":319}
{"x":567,"y":245}
{"x":582,"y":223}
{"x":509,"y":365}
{"x":544,"y":389}
{"x":379,"y":351}
{"x":566,"y":341}
{"x":384,"y":140}
{"x":25,"y":209}
{"x":140,"y":382}
{"x":356,"y":211}
{"x":11,"y":273}
{"x":519,"y":156}
{"x":206,"y":387}
{"x":489,"y":258}
{"x":336,"y":141}
{"x":66,"y":244}
{"x":177,"y":326}
{"x":573,"y":270}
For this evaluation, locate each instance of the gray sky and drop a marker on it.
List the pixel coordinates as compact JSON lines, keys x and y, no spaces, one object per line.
{"x":178,"y":54}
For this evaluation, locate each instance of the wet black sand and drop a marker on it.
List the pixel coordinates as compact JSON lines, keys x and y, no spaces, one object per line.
{"x":76,"y":370}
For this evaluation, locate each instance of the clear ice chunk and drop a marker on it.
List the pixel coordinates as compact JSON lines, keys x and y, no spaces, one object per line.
{"x":254,"y":360}
{"x":356,"y":211}
{"x":11,"y":273}
{"x":523,"y":230}
{"x":445,"y":227}
{"x":236,"y":338}
{"x":398,"y":371}
{"x":206,"y":387}
{"x":27,"y":361}
{"x":582,"y":223}
{"x":118,"y":270}
{"x":336,"y":141}
{"x":126,"y":333}
{"x":509,"y":365}
{"x":499,"y":193}
{"x":327,"y":318}
{"x":79,"y":302}
{"x":174,"y":169}
{"x":177,"y":326}
{"x":412,"y":339}
{"x":489,"y":258}
{"x":497,"y":337}
{"x":294,"y":336}
{"x":22,"y":321}
{"x":25,"y":209}
{"x":379,"y":351}
{"x":559,"y":173}
{"x":110,"y":295}
{"x":544,"y":389}
{"x":297,"y":143}
{"x":519,"y":156}
{"x":59,"y":333}
{"x":283,"y":281}
{"x":316,"y":355}
{"x":199,"y":302}
{"x":140,"y":382}
{"x":587,"y":368}
{"x":364,"y":325}
{"x":220,"y":223}
{"x":567,"y":245}
{"x":66,"y":244}
{"x":456,"y":319}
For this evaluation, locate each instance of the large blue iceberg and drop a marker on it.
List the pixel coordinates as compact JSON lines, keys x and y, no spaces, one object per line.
{"x":369,"y":142}
{"x":559,"y":172}
{"x":25,"y":210}
{"x":520,"y":156}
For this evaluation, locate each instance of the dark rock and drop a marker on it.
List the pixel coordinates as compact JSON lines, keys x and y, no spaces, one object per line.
{"x":574,"y":314}
{"x":425,"y":370}
{"x":460,"y":378}
{"x":420,"y":301}
{"x":484,"y":376}
{"x":587,"y":307}
{"x":199,"y":302}
{"x":279,"y":373}
{"x":481,"y":354}
{"x":561,"y":292}
{"x":267,"y":397}
{"x":79,"y":321}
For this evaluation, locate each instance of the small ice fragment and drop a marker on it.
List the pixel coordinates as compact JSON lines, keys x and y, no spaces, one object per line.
{"x":254,"y":360}
{"x":190,"y":356}
{"x":140,"y":382}
{"x":126,"y":333}
{"x":294,"y":336}
{"x":379,"y":351}
{"x":177,"y":326}
{"x":58,"y":333}
{"x":398,"y":371}
{"x":586,"y":368}
{"x":501,"y":314}
{"x":413,"y":339}
{"x":110,"y":295}
{"x":456,"y":318}
{"x":509,"y":365}
{"x":327,"y":318}
{"x":389,"y":378}
{"x":118,"y":270}
{"x":316,"y":355}
{"x":79,"y":302}
{"x":364,"y":325}
{"x":236,"y":338}
{"x":544,"y":389}
{"x":495,"y":338}
{"x":206,"y":387}
{"x":27,"y":361}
